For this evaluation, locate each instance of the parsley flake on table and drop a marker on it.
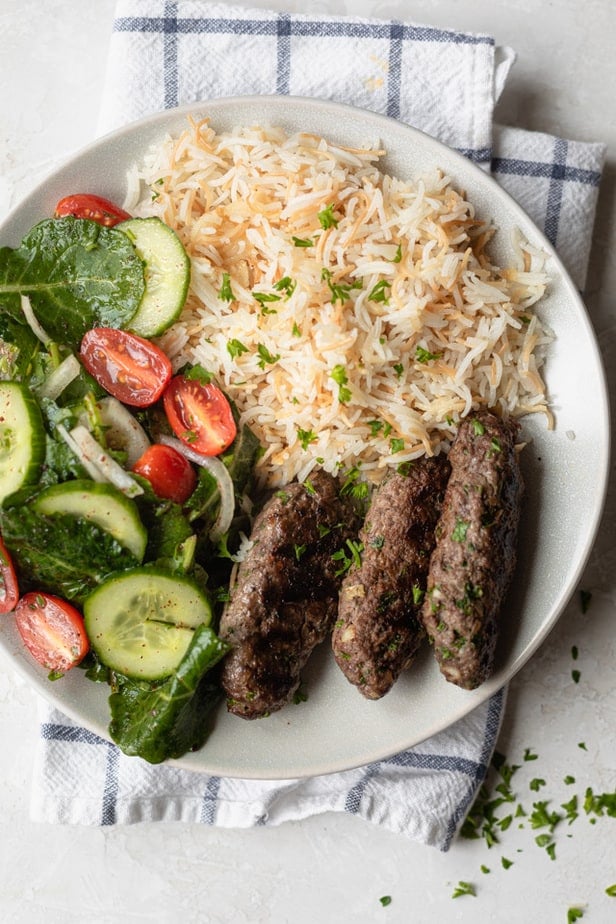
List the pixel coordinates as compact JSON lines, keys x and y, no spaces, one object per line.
{"x":463,"y":888}
{"x":573,"y":914}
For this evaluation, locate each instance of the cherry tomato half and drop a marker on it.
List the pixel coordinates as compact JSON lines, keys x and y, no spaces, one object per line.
{"x":130,"y":368}
{"x":52,"y":631}
{"x":85,"y":205}
{"x":9,"y":590}
{"x":199,"y":415}
{"x":170,"y":474}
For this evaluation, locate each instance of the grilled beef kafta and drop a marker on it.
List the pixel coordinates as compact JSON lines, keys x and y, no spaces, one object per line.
{"x":475,"y":554}
{"x":378,"y":631}
{"x":285,"y":599}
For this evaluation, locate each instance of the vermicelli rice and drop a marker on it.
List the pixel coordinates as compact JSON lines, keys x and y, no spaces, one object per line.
{"x":352,"y":316}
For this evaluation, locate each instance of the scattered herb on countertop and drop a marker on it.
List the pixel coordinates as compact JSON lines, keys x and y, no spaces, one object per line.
{"x":573,"y":914}
{"x":498,"y":805}
{"x":463,"y":888}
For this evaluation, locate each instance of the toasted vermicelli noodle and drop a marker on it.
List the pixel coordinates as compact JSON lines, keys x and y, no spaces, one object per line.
{"x":353,"y":317}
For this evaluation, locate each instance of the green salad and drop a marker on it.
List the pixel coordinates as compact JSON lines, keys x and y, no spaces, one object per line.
{"x":121,"y":479}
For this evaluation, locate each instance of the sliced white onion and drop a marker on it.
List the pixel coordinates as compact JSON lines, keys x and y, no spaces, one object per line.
{"x":218,"y":471}
{"x":122,"y":430}
{"x":33,"y":324}
{"x":92,"y":452}
{"x":92,"y":470}
{"x":60,"y":378}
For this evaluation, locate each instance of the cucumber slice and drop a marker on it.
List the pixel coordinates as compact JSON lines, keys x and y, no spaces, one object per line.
{"x":22,"y":438}
{"x":167,"y":275}
{"x":141,"y":622}
{"x":101,"y":504}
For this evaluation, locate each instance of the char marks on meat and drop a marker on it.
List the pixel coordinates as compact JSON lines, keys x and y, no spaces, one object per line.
{"x":475,"y":554}
{"x":284,"y":601}
{"x":378,"y":631}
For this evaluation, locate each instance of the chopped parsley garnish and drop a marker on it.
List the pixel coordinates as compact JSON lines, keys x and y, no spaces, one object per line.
{"x":264,"y":298}
{"x":398,"y":255}
{"x":266,"y":357}
{"x":199,"y":373}
{"x":326,"y":217}
{"x":378,"y":542}
{"x":300,"y":695}
{"x":299,"y":550}
{"x":301,"y":242}
{"x":460,"y":530}
{"x":379,"y":292}
{"x":530,"y":755}
{"x":396,"y":445}
{"x":424,"y":356}
{"x":385,"y":900}
{"x":355,"y":548}
{"x":341,"y":378}
{"x":339,"y":292}
{"x":306,"y":437}
{"x":296,"y":330}
{"x":225,"y":292}
{"x":611,"y":891}
{"x":236,"y":348}
{"x":286,"y":285}
{"x":353,"y":487}
{"x":418,"y":594}
{"x":398,"y":369}
{"x":478,"y":427}
{"x":375,"y":427}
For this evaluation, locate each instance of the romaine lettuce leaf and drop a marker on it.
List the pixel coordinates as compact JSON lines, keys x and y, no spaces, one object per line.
{"x":77,"y":275}
{"x":170,"y":719}
{"x":63,"y":554}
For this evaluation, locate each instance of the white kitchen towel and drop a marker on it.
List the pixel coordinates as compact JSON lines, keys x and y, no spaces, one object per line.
{"x":446,"y":83}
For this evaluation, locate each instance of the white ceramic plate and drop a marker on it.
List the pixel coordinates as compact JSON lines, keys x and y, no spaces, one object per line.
{"x":565,"y":472}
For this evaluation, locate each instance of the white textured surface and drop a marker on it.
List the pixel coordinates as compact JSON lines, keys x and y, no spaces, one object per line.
{"x":52,"y":59}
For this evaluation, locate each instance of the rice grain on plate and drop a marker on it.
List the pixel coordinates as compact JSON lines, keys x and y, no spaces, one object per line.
{"x":353,"y":317}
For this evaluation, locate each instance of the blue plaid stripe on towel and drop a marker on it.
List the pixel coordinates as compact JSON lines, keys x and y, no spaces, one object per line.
{"x":446,"y":83}
{"x":424,"y":792}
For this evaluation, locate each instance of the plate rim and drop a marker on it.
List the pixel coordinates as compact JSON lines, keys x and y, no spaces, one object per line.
{"x":373,"y":119}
